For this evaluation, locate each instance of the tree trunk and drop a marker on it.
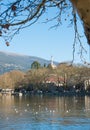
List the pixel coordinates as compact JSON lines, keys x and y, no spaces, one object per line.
{"x":83,"y":9}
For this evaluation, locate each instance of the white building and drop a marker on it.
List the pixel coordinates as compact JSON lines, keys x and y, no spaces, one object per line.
{"x":52,"y":64}
{"x":87,"y":84}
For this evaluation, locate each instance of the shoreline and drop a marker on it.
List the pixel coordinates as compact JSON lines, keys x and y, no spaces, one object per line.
{"x":47,"y":94}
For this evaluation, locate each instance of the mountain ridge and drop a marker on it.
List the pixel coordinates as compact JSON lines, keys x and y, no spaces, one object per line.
{"x":14,"y":61}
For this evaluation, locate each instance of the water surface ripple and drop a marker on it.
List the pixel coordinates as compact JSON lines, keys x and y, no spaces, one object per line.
{"x":44,"y":113}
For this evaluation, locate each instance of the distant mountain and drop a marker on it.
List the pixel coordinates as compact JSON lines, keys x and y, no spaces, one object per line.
{"x":12,"y":61}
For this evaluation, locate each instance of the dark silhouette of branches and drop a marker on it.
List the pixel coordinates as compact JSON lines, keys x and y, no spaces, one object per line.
{"x":77,"y":38}
{"x":19,"y":14}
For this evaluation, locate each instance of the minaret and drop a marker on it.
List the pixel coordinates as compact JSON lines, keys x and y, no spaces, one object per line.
{"x":52,"y":64}
{"x":52,"y":60}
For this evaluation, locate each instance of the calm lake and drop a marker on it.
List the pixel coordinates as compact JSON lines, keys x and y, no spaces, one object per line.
{"x":44,"y":113}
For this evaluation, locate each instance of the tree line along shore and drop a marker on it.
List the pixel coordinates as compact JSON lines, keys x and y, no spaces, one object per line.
{"x":65,"y":79}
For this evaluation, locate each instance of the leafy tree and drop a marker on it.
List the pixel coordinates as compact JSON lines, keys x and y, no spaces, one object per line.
{"x":44,"y":65}
{"x":35,"y":65}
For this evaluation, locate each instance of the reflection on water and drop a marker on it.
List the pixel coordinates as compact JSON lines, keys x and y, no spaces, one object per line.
{"x":44,"y":113}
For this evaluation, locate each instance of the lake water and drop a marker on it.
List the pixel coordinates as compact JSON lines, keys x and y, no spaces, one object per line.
{"x":44,"y":113}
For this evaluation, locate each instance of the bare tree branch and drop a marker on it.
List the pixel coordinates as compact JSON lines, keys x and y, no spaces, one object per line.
{"x":19,"y":14}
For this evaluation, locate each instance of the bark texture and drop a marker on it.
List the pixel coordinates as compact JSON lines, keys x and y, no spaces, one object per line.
{"x":83,"y":9}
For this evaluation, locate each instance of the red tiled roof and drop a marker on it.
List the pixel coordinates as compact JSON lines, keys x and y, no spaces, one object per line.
{"x":55,"y":79}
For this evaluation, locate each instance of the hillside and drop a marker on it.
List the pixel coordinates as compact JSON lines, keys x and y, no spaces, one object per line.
{"x":12,"y":61}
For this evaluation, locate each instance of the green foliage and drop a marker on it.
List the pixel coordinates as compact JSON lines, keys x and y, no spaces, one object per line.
{"x":35,"y":65}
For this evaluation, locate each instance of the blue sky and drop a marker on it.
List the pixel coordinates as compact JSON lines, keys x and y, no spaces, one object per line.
{"x":39,"y":41}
